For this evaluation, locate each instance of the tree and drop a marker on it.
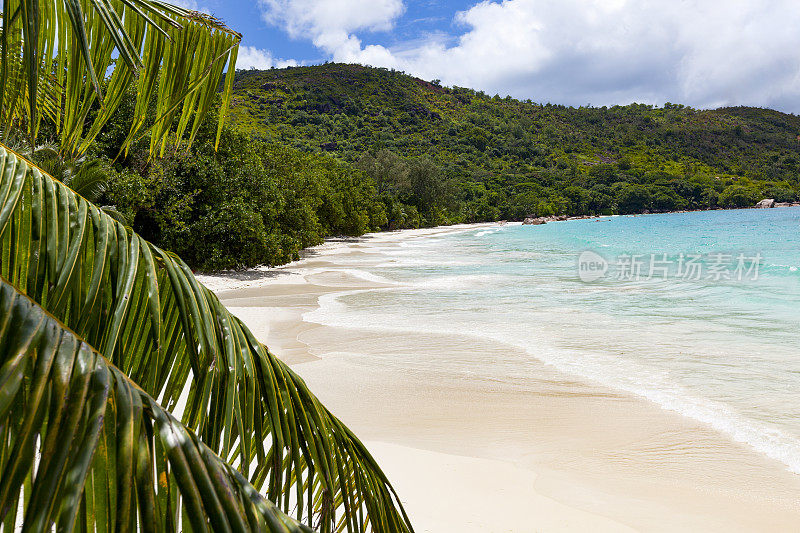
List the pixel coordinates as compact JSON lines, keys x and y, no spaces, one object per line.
{"x":388,"y":170}
{"x":427,"y":187}
{"x":633,"y":199}
{"x":739,"y":196}
{"x":99,"y":328}
{"x":55,"y":53}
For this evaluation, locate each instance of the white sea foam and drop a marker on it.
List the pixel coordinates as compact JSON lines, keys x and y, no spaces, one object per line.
{"x":397,"y":262}
{"x":605,"y":369}
{"x":353,"y":272}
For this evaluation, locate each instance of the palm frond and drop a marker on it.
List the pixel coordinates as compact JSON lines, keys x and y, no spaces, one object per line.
{"x":88,"y":179}
{"x":54,"y":56}
{"x":85,"y":448}
{"x":112,"y":211}
{"x":142,"y":309}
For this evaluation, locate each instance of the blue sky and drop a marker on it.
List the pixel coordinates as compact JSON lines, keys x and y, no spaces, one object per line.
{"x":418,"y":20}
{"x":705,"y":53}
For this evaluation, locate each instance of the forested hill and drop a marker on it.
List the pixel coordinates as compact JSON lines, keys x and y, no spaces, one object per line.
{"x":501,"y":158}
{"x":313,"y":152}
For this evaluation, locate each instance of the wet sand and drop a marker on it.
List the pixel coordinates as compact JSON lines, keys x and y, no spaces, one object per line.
{"x":468,"y":452}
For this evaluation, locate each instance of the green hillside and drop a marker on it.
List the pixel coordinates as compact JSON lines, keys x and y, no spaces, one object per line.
{"x":313,"y":152}
{"x":500,"y":158}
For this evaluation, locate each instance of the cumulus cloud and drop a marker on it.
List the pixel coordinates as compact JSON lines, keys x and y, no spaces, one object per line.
{"x":331,"y":23}
{"x":257,"y":58}
{"x":703,"y":52}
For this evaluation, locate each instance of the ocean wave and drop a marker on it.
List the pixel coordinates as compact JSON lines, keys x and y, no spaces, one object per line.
{"x":603,"y":368}
{"x":403,"y":262}
{"x":462,"y":281}
{"x":354,"y":272}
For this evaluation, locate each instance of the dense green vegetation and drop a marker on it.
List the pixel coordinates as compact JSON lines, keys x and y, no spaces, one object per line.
{"x":341,"y":149}
{"x":246,"y":203}
{"x":508,"y":158}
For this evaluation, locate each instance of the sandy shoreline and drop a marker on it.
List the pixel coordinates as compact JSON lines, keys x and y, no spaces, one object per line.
{"x":469,"y":453}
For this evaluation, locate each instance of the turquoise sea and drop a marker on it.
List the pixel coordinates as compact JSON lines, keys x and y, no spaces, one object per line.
{"x":697,"y":312}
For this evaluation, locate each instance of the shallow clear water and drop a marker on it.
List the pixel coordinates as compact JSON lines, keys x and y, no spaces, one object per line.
{"x":713,"y":335}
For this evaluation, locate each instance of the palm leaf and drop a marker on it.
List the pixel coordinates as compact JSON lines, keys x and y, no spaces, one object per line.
{"x":142,"y":309}
{"x":96,"y":429}
{"x":55,"y":54}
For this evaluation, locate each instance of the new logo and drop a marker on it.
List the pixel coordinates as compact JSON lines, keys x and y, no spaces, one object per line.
{"x":591,"y":266}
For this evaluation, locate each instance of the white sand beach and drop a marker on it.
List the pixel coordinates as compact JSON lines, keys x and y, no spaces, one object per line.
{"x":471,"y":453}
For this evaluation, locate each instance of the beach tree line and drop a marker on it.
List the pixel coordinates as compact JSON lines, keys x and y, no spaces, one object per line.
{"x":340,"y":150}
{"x":255,"y":201}
{"x":334,"y":150}
{"x":503,"y":158}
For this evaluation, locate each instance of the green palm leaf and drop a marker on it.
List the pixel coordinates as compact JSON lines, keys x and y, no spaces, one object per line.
{"x":55,"y":54}
{"x":108,"y":456}
{"x":143,"y":310}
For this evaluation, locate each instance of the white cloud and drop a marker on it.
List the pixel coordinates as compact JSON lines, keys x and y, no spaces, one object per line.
{"x":702,"y":52}
{"x":257,"y":58}
{"x":330,"y":23}
{"x":320,"y":16}
{"x":190,"y":4}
